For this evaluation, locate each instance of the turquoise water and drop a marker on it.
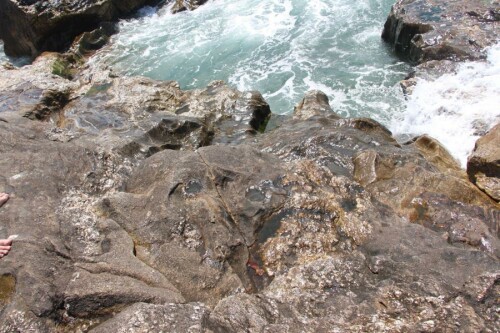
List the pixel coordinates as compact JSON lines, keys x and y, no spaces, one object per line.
{"x":282,"y":48}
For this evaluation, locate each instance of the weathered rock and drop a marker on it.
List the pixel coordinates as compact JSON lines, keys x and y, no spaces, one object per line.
{"x":88,"y":294}
{"x":314,"y":103}
{"x":31,"y":27}
{"x":483,"y":165}
{"x":423,"y":30}
{"x":163,"y":116}
{"x":399,"y":176}
{"x":151,"y":318}
{"x":124,"y":214}
{"x":368,"y":290}
{"x":429,"y":70}
{"x":182,"y":5}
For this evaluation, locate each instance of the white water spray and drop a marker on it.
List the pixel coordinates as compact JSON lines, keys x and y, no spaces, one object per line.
{"x":456,"y":108}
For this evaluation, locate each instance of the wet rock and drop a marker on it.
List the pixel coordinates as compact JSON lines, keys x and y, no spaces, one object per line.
{"x":31,"y":27}
{"x":429,"y":70}
{"x":423,"y":30}
{"x":51,"y":102}
{"x":314,"y":103}
{"x":483,"y":165}
{"x":436,"y":153}
{"x":164,"y":116}
{"x":91,"y":41}
{"x":34,"y":90}
{"x":182,"y":5}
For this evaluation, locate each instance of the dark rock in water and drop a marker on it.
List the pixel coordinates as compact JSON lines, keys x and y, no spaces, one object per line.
{"x":182,"y":5}
{"x":31,"y":27}
{"x":423,"y":30}
{"x":483,"y":165}
{"x":95,"y":39}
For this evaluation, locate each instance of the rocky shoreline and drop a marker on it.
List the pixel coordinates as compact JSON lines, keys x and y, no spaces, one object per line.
{"x":141,"y":207}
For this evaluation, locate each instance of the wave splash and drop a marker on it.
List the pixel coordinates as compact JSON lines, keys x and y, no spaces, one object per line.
{"x":456,"y":108}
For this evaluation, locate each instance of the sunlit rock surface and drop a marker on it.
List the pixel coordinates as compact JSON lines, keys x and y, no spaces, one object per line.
{"x":423,"y":30}
{"x":140,"y":205}
{"x":483,"y":165}
{"x":143,"y":207}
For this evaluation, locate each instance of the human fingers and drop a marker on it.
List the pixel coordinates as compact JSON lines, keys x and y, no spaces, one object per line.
{"x":5,"y":242}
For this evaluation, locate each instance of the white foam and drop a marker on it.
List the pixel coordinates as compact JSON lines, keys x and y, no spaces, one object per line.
{"x":452,"y":107}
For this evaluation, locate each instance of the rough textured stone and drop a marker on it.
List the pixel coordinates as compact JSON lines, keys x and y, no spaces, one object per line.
{"x":151,"y":318}
{"x":423,"y":30}
{"x":314,"y":103}
{"x":483,"y":165}
{"x":132,"y":197}
{"x":182,"y":5}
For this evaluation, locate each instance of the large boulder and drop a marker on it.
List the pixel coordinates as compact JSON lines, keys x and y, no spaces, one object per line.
{"x":423,"y":30}
{"x":483,"y":165}
{"x":30,"y":27}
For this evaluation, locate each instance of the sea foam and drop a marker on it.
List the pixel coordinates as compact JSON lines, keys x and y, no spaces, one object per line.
{"x":456,"y":108}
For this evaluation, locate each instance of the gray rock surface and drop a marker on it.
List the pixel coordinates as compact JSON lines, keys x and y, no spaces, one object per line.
{"x":146,"y":318}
